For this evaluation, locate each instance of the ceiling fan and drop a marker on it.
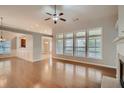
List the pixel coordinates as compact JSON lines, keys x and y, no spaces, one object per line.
{"x":55,"y":17}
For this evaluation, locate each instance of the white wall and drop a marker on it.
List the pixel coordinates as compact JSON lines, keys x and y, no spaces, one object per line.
{"x":120,"y":45}
{"x":109,"y":33}
{"x":16,"y":50}
{"x":37,"y":52}
{"x":32,"y":52}
{"x":121,"y":20}
{"x":25,"y":53}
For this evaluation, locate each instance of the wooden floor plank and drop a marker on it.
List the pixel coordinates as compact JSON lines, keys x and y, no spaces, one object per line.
{"x":17,"y":73}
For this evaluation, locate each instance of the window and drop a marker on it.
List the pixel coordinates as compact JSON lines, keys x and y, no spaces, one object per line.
{"x":80,"y":44}
{"x":5,"y":47}
{"x":59,"y":44}
{"x":68,"y":44}
{"x":95,"y":43}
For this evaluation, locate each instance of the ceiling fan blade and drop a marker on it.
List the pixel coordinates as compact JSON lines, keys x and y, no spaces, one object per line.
{"x":62,"y":19}
{"x":48,"y":13}
{"x":47,"y":19}
{"x":60,"y":14}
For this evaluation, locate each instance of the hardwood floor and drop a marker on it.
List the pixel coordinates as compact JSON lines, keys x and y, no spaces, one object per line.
{"x":17,"y":73}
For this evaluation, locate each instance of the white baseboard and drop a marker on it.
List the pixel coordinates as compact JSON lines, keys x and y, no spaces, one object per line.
{"x":6,"y":56}
{"x":85,"y":62}
{"x":23,"y":59}
{"x":30,"y":60}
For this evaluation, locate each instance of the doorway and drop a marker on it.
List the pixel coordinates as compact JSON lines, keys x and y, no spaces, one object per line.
{"x":46,"y":47}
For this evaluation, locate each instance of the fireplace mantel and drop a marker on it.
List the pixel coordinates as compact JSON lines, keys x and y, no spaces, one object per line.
{"x":121,"y":57}
{"x":119,"y":39}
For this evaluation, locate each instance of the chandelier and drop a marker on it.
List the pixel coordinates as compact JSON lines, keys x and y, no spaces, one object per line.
{"x":2,"y":39}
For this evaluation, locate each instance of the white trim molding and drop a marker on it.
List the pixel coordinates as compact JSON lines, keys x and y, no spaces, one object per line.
{"x":119,"y":39}
{"x":106,"y":66}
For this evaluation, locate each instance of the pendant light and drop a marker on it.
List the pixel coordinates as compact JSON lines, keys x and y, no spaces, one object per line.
{"x":2,"y":39}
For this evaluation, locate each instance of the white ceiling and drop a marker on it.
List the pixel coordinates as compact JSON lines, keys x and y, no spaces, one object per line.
{"x":32,"y":17}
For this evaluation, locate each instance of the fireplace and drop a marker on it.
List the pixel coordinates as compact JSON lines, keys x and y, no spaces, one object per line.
{"x":122,"y":73}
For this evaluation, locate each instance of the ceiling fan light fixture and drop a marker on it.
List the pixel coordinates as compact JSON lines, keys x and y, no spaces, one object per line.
{"x":55,"y":18}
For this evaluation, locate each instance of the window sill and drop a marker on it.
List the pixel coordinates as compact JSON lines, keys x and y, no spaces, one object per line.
{"x":94,"y":58}
{"x":81,"y":57}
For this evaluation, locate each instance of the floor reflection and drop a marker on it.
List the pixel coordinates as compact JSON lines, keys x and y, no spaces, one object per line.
{"x":5,"y":69}
{"x":48,"y":73}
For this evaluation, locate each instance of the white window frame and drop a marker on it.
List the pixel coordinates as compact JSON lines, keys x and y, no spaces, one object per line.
{"x":66,"y":46}
{"x":86,"y":43}
{"x":101,"y":42}
{"x":56,"y":43}
{"x":77,"y":37}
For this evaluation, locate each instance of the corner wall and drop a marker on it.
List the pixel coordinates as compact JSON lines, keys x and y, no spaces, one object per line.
{"x":25,"y":53}
{"x":108,"y":48}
